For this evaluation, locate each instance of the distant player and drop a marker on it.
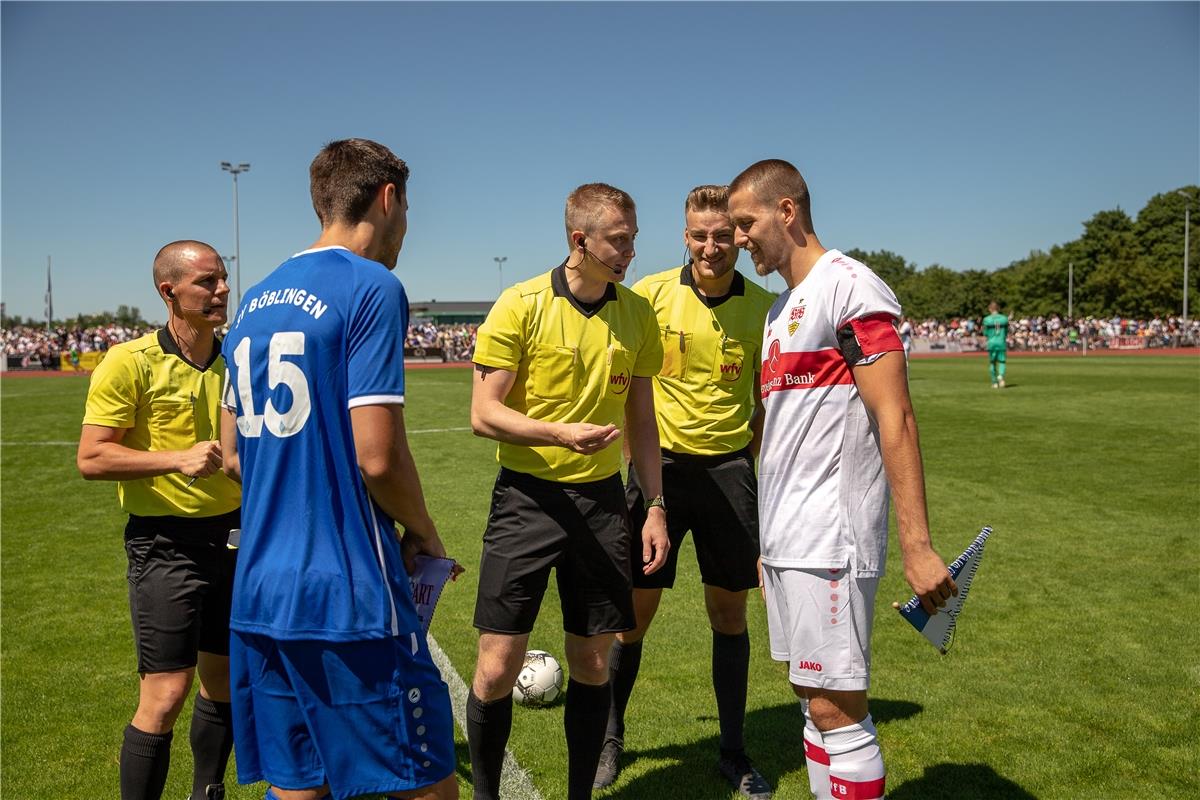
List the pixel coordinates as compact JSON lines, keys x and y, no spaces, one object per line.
{"x":151,"y":424}
{"x":335,"y":693}
{"x":995,"y":328}
{"x":838,"y":417}
{"x":709,"y":414}
{"x":562,"y":369}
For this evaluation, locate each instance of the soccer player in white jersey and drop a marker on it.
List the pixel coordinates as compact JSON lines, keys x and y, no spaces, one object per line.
{"x":839,"y":430}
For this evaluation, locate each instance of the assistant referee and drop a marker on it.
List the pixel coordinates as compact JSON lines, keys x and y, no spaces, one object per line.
{"x":152,"y":424}
{"x":562,"y":369}
{"x":709,"y":414}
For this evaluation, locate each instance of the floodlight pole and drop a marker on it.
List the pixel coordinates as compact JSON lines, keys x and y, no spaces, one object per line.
{"x":237,"y":234}
{"x":1187,"y":229}
{"x":500,"y":263}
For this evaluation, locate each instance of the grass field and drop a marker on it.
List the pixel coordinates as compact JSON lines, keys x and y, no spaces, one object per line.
{"x":1076,"y":671}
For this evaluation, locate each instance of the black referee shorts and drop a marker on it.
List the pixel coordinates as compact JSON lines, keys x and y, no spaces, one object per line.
{"x":180,"y":588}
{"x":716,"y":498}
{"x":581,"y":530}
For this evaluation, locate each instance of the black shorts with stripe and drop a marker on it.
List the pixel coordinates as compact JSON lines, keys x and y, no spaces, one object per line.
{"x":714,"y":497}
{"x":580,"y":530}
{"x":180,"y":588}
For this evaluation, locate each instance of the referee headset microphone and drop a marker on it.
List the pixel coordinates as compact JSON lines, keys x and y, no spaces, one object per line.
{"x":581,"y":243}
{"x":201,"y":309}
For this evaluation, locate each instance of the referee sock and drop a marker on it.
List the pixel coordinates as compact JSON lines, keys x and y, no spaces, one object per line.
{"x":488,"y":728}
{"x":624,"y":661}
{"x":816,"y":758}
{"x":212,"y":741}
{"x":730,"y":671}
{"x":583,"y":719}
{"x":855,"y":761}
{"x":145,"y":758}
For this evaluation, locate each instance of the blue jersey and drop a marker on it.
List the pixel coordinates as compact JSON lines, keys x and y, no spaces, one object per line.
{"x":319,"y":559}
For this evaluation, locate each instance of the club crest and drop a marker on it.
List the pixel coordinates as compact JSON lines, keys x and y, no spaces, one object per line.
{"x":796,"y":315}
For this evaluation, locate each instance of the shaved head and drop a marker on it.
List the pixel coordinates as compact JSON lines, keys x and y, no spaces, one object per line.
{"x":174,"y":258}
{"x":771,"y":181}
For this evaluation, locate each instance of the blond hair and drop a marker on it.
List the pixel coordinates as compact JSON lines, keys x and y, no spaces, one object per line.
{"x":708,"y":197}
{"x":588,"y":202}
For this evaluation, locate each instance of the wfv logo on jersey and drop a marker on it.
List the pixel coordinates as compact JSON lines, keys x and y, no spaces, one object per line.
{"x":619,"y":383}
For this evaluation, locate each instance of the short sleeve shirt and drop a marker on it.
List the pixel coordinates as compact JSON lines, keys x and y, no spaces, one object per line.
{"x":573,"y":363}
{"x":823,"y":494}
{"x":704,"y":395}
{"x":995,"y":327}
{"x":322,"y":334}
{"x":164,"y":402}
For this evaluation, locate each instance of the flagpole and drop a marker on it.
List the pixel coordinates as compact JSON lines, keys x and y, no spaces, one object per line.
{"x":49,"y":296}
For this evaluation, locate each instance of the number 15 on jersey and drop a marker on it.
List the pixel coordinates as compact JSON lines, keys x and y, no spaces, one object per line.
{"x":288,"y":373}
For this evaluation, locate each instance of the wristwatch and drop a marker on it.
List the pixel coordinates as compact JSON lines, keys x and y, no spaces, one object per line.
{"x":657,"y":500}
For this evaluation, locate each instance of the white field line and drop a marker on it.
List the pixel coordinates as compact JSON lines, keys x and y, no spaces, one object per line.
{"x":514,"y":781}
{"x":73,"y":444}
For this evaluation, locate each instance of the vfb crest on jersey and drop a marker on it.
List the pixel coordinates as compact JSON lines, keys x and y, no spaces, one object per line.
{"x":796,"y":315}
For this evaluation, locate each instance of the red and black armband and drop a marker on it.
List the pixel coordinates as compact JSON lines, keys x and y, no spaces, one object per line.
{"x":868,"y":337}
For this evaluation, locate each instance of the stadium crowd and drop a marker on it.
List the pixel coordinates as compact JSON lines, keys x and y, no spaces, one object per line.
{"x":1049,"y":333}
{"x":456,"y":341}
{"x":39,"y":348}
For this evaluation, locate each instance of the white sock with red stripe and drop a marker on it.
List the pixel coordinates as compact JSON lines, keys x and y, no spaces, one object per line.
{"x":816,"y":758}
{"x":855,"y":761}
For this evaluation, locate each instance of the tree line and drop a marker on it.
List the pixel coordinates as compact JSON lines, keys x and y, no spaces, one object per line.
{"x":1129,"y":267}
{"x":1124,"y":266}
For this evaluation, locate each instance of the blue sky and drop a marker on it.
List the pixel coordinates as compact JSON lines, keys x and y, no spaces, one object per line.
{"x":960,"y":134}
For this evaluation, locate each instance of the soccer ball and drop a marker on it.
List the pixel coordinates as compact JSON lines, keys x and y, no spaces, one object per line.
{"x":540,"y":681}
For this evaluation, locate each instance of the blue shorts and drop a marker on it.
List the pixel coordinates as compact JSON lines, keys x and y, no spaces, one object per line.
{"x":367,"y":717}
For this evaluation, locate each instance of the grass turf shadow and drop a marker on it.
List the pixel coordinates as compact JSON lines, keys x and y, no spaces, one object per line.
{"x":772,"y":740}
{"x":954,"y":781}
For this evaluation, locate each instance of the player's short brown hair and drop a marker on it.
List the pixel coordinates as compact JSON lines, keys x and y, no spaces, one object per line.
{"x":589,"y":201}
{"x":347,"y":174}
{"x":708,"y":197}
{"x":772,"y":180}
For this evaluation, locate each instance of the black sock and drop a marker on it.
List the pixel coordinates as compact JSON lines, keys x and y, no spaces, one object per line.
{"x":145,"y":758}
{"x":730,"y":671}
{"x":488,"y":727}
{"x":623,"y":664}
{"x":584,"y":719}
{"x":212,"y":741}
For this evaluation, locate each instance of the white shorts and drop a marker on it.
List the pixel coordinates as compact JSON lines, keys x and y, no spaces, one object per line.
{"x":819,"y":622}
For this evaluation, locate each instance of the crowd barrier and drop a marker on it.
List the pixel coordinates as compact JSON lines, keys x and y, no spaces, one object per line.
{"x":425,"y":354}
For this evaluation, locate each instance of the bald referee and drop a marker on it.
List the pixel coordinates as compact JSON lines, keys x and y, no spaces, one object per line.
{"x":151,"y":424}
{"x":562,"y":370}
{"x":709,"y":420}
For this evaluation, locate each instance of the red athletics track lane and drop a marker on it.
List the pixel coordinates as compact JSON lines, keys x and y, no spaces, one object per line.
{"x":1157,"y":351}
{"x":53,"y":373}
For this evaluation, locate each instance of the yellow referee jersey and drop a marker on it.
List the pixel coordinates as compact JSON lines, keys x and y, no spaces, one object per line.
{"x":573,"y":363}
{"x":704,"y":395}
{"x":166,"y":403}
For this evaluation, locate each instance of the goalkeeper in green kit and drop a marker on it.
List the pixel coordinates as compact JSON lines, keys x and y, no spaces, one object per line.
{"x":995,"y":327}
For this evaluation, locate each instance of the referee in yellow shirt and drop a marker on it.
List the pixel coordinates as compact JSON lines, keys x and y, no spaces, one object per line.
{"x":563,"y":365}
{"x":709,"y":420}
{"x":152,"y":424}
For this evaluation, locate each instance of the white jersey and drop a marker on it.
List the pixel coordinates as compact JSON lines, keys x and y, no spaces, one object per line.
{"x":822,"y":492}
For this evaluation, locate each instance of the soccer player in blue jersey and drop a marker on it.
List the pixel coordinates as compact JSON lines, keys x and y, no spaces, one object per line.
{"x":334,"y":691}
